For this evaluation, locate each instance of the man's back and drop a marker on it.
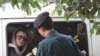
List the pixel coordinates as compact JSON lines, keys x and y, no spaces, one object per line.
{"x":57,"y":44}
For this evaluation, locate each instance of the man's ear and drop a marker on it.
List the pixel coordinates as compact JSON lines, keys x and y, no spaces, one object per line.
{"x":43,"y":29}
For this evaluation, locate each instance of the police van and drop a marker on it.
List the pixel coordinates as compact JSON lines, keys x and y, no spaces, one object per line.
{"x":80,"y":30}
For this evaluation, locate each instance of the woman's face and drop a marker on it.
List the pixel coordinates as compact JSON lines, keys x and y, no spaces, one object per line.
{"x":20,"y":38}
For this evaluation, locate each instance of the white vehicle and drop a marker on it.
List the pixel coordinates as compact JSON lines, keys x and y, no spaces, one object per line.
{"x":78,"y":29}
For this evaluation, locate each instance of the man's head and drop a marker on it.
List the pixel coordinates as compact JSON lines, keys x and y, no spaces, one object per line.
{"x":43,"y":23}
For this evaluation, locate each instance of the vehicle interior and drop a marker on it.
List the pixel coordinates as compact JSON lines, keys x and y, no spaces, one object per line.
{"x":76,"y":29}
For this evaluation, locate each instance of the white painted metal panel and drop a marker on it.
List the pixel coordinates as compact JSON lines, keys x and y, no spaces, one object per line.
{"x":1,"y":38}
{"x":96,"y":42}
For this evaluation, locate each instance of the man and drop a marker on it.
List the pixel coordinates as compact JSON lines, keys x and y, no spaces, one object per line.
{"x":55,"y":43}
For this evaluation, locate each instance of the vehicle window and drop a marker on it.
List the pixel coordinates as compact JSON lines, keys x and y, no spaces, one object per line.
{"x":76,"y":29}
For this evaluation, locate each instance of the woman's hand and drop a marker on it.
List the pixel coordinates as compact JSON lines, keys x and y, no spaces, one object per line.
{"x":34,"y":50}
{"x":29,"y":54}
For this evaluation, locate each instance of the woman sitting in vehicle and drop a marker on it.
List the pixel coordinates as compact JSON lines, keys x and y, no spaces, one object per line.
{"x":19,"y":45}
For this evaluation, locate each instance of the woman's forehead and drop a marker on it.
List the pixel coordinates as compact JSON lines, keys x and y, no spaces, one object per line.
{"x":20,"y":33}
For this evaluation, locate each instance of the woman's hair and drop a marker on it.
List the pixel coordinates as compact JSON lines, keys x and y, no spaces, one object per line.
{"x":23,"y":30}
